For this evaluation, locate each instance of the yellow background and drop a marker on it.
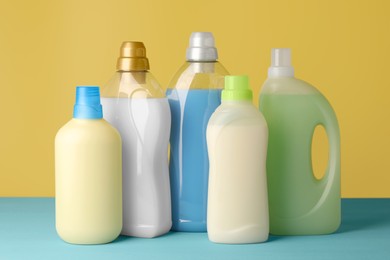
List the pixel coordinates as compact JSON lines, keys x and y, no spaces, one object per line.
{"x":49,"y":47}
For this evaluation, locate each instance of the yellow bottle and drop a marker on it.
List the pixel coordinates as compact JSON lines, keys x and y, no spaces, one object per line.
{"x":88,"y":174}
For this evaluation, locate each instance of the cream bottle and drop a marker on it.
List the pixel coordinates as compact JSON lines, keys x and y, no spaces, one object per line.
{"x":88,"y":174}
{"x":237,"y":137}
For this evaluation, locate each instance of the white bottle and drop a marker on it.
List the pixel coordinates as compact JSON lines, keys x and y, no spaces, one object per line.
{"x":136,"y":105}
{"x":88,"y":174}
{"x":237,"y":138}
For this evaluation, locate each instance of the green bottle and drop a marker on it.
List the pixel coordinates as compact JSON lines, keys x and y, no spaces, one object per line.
{"x":299,"y":203}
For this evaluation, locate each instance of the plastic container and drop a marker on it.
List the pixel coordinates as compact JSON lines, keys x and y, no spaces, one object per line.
{"x":237,"y":136}
{"x":88,"y":174}
{"x":300,"y":204}
{"x":136,"y":105}
{"x":194,"y":93}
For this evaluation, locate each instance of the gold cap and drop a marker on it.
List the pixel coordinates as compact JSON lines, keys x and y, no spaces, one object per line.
{"x":132,"y":57}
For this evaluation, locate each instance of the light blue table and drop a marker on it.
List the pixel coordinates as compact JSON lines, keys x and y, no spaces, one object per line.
{"x":27,"y":231}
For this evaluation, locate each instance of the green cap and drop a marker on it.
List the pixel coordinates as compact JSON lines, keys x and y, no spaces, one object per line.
{"x":237,"y":88}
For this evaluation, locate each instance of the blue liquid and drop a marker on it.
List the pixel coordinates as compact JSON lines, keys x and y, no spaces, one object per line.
{"x":189,"y":163}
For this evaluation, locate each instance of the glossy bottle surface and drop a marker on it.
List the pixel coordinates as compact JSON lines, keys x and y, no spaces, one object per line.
{"x":144,"y":125}
{"x":135,"y":104}
{"x":193,"y":95}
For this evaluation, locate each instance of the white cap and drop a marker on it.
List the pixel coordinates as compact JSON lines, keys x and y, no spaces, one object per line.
{"x":202,"y":47}
{"x":281,"y":63}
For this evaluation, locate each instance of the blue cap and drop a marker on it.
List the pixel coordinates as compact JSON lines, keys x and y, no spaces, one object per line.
{"x":88,"y":103}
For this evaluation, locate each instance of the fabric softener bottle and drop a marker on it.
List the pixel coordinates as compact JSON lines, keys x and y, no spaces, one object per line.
{"x":88,"y":174}
{"x":299,"y":203}
{"x":237,"y":136}
{"x":136,"y":105}
{"x":193,"y":93}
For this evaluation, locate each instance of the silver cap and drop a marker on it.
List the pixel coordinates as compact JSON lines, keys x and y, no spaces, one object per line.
{"x":202,"y":47}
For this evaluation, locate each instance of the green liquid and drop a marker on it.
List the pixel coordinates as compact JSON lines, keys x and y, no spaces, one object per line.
{"x":300,"y":204}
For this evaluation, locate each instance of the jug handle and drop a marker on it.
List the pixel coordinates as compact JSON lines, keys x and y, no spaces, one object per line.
{"x":329,"y":122}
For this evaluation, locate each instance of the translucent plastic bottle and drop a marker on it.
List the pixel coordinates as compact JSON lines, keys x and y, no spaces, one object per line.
{"x":88,"y":174}
{"x":193,"y":93}
{"x":237,"y":136}
{"x":135,"y":104}
{"x":299,"y":203}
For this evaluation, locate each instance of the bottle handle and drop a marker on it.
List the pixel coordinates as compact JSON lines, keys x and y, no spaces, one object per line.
{"x":329,"y":122}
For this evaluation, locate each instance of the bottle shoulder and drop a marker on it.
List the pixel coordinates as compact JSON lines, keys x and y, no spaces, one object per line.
{"x":139,"y":107}
{"x":288,"y":90}
{"x":133,"y":84}
{"x":237,"y":113}
{"x":87,"y":129}
{"x":199,"y":75}
{"x":287,"y":85}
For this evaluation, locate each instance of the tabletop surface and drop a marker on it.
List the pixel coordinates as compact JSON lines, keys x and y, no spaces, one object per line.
{"x":27,"y":231}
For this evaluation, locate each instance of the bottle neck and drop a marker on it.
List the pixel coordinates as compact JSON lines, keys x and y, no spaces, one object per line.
{"x":202,"y":66}
{"x":275,"y":72}
{"x":237,"y":102}
{"x":201,"y":54}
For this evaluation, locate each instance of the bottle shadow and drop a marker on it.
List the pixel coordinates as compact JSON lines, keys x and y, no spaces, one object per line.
{"x":360,"y":214}
{"x":357,"y":215}
{"x":123,"y":238}
{"x":273,"y":238}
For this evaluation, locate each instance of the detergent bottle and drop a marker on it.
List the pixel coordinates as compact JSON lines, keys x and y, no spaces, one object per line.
{"x":237,"y":136}
{"x":136,"y":105}
{"x":88,"y":174}
{"x":299,"y":203}
{"x":194,"y":93}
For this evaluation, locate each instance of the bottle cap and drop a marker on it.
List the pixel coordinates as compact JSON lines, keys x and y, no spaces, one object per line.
{"x":132,"y":57}
{"x":87,"y":103}
{"x":237,"y":88}
{"x":281,"y":63}
{"x":202,"y":47}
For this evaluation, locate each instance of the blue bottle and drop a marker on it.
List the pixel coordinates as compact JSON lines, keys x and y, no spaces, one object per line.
{"x":193,"y":94}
